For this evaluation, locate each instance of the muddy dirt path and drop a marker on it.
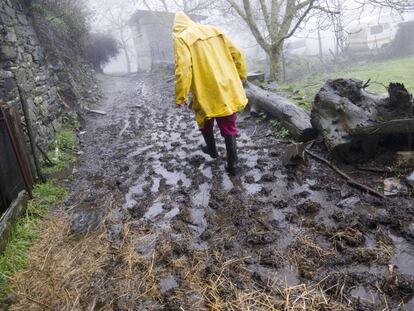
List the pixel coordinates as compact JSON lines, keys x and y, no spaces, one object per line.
{"x":155,"y":224}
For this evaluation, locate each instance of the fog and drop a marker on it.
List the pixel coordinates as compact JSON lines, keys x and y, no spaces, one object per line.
{"x":325,"y":34}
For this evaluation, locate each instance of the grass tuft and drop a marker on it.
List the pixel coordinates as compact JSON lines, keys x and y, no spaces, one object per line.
{"x":14,"y":257}
{"x":63,"y":150}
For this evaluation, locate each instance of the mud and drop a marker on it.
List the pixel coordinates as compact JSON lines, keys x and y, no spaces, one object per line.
{"x":275,"y":227}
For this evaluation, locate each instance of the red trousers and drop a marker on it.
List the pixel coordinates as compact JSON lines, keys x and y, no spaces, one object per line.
{"x":227,"y":125}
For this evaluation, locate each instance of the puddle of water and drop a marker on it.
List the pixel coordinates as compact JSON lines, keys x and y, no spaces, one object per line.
{"x":174,"y":136}
{"x":365,"y":294}
{"x":370,"y":241}
{"x":181,"y":154}
{"x":227,"y":183}
{"x":172,"y":178}
{"x":284,"y":277}
{"x":155,"y":185}
{"x":252,"y":188}
{"x":377,"y":270}
{"x":404,"y":255}
{"x":257,"y":175}
{"x":288,"y":236}
{"x":156,"y":209}
{"x":251,"y":159}
{"x":168,"y":284}
{"x":197,"y":215}
{"x":288,"y":276}
{"x":134,"y":191}
{"x":139,"y":151}
{"x":146,"y":244}
{"x":171,"y":214}
{"x":200,"y":201}
{"x":278,"y":215}
{"x":127,"y":123}
{"x":320,"y":197}
{"x":409,"y":305}
{"x":207,"y":172}
{"x":199,"y":245}
{"x":202,"y":197}
{"x":165,"y":223}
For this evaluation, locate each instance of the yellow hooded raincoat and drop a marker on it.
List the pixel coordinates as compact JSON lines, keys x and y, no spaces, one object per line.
{"x":209,"y":65}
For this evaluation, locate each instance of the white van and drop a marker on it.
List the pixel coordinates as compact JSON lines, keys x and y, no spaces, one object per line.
{"x":371,"y":34}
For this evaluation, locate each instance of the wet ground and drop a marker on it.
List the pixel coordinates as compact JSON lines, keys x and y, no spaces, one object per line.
{"x":176,"y":232}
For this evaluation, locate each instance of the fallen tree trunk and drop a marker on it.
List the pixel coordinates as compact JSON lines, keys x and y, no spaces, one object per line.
{"x":353,"y":122}
{"x":403,"y":126}
{"x":296,"y":120}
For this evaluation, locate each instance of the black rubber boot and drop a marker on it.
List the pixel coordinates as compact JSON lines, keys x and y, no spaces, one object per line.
{"x":232,"y":159}
{"x":210,"y":147}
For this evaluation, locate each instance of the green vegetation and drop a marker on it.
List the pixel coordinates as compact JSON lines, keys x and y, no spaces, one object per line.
{"x":381,"y":74}
{"x":64,"y":147}
{"x":68,"y":17}
{"x":280,"y":132}
{"x":52,"y":17}
{"x":45,"y":195}
{"x":25,"y":232}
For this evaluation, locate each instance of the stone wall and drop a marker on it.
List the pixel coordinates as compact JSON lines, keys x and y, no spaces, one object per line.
{"x":32,"y":71}
{"x":23,"y":72}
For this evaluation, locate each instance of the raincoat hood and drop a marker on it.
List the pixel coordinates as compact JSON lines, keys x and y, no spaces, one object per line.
{"x":181,"y":23}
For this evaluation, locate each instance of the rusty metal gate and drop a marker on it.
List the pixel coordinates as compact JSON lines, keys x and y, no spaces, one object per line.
{"x":15,"y":174}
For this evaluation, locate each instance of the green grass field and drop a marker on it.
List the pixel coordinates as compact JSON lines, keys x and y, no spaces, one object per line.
{"x":382,"y":73}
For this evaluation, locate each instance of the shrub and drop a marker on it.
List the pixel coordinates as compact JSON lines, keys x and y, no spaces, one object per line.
{"x":100,"y":49}
{"x":69,"y":16}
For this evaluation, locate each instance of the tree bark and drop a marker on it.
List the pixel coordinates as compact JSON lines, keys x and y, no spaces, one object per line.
{"x":275,"y":66}
{"x":353,"y":121}
{"x":128,"y":60}
{"x":296,"y":120}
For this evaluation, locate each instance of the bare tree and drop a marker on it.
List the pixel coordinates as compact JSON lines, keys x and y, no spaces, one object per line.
{"x":116,"y":16}
{"x":273,"y":21}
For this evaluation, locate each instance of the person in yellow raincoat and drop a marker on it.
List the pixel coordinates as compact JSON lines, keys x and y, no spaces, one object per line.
{"x":213,"y":69}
